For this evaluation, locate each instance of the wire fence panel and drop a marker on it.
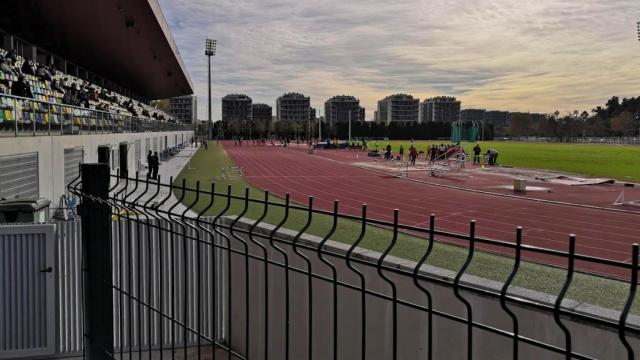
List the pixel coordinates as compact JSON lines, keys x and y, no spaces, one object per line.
{"x":189,"y":286}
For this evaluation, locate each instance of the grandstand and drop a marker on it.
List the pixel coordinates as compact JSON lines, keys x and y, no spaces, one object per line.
{"x":78,"y":76}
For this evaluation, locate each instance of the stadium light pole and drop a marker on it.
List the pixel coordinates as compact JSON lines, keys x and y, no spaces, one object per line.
{"x":209,"y":51}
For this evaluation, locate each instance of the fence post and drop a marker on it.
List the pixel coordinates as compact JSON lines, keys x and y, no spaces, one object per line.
{"x":96,"y":241}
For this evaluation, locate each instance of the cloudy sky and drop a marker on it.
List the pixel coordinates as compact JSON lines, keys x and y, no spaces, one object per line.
{"x":513,"y":55}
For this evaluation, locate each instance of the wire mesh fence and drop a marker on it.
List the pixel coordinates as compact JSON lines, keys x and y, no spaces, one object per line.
{"x":178,"y":283}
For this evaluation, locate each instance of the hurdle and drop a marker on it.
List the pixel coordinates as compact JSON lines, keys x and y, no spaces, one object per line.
{"x":402,"y":169}
{"x":621,"y":201}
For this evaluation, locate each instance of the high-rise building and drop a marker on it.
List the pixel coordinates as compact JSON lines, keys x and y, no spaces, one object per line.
{"x":497,"y":118}
{"x":236,"y":108}
{"x":398,"y":108}
{"x":261,"y":113}
{"x":440,"y":109}
{"x":293,"y":107}
{"x":472,"y":115}
{"x":184,"y":109}
{"x":312,"y":113}
{"x":339,"y":108}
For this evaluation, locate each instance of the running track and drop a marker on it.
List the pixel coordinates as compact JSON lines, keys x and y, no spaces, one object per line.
{"x":601,"y":233}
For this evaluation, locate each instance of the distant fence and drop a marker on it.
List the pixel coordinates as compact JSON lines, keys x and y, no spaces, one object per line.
{"x":630,"y":140}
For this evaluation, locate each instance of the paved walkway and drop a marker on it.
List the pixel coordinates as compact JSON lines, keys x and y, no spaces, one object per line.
{"x":169,"y":169}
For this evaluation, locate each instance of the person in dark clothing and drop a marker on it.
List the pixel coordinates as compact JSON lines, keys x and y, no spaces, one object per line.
{"x":149,"y":163}
{"x":21,"y":88}
{"x":12,"y":55}
{"x":28,"y":68}
{"x":476,"y":154}
{"x":43,"y":73}
{"x":156,"y":165}
{"x":413,"y":155}
{"x":401,"y":153}
{"x":434,"y":152}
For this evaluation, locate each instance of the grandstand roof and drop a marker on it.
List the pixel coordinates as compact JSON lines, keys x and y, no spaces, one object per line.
{"x":128,"y":42}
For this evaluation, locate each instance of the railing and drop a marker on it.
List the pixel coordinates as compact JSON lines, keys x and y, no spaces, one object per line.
{"x":237,"y":288}
{"x":29,"y":117}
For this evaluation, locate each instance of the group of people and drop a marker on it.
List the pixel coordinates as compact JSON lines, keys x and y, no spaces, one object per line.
{"x":441,"y":152}
{"x":153,"y":163}
{"x":75,"y":93}
{"x":413,"y":154}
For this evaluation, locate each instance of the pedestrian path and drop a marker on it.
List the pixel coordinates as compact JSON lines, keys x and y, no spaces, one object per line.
{"x":168,"y":170}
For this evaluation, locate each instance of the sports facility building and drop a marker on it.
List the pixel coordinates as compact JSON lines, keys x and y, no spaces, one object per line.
{"x":76,"y":79}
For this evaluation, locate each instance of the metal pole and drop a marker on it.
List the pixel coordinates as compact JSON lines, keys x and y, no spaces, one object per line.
{"x":349,"y":127}
{"x":96,"y":239}
{"x":319,"y":127}
{"x":209,"y":86}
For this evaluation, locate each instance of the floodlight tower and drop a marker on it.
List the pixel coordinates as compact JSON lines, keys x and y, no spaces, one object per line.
{"x":209,"y":51}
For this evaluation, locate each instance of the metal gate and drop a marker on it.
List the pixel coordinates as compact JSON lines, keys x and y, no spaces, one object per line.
{"x":138,"y":155}
{"x":72,"y":157}
{"x":19,"y":176}
{"x":27,"y":292}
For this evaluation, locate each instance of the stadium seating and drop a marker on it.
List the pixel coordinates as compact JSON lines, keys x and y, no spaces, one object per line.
{"x":49,"y":110}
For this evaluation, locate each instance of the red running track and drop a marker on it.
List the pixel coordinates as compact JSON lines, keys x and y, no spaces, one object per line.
{"x":601,"y":233}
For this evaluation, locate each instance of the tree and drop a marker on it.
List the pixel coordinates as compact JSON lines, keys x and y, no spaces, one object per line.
{"x":624,"y":124}
{"x":520,"y":124}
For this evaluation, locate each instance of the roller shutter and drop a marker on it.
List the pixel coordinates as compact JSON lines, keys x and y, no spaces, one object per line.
{"x":138,"y":154}
{"x":19,"y":176}
{"x":72,"y":158}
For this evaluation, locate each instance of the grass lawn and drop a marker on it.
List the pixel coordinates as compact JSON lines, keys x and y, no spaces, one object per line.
{"x":206,"y":166}
{"x":620,"y":162}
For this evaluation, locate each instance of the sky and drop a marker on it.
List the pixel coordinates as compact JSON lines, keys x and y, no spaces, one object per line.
{"x":537,"y":56}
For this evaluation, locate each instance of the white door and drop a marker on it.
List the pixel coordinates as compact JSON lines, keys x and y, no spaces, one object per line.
{"x":27,"y":292}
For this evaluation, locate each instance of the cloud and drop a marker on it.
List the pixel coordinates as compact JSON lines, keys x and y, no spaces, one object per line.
{"x":498,"y":54}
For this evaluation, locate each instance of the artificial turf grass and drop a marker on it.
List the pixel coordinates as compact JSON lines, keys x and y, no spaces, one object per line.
{"x":206,"y":167}
{"x":621,"y":162}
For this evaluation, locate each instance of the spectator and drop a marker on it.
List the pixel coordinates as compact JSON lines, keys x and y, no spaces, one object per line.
{"x":401,"y":152}
{"x":12,"y":55}
{"x":413,"y":155}
{"x":43,"y":73}
{"x":28,"y":68}
{"x":21,"y":88}
{"x":155,"y":161}
{"x":82,"y":96}
{"x":492,"y":154}
{"x":476,"y":154}
{"x":462,"y":157}
{"x":6,"y":67}
{"x":434,"y":152}
{"x":56,"y":86}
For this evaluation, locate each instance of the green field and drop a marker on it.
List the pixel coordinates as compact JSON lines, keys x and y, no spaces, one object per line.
{"x":620,"y":162}
{"x":206,"y":167}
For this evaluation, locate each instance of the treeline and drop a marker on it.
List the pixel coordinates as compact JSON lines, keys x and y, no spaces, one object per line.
{"x":616,"y":118}
{"x":425,"y":131}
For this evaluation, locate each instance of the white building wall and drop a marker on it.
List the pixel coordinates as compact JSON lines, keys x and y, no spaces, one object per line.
{"x":50,"y":151}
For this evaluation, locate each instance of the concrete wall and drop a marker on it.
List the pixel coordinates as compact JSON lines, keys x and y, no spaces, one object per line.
{"x":449,"y":337}
{"x":50,"y":151}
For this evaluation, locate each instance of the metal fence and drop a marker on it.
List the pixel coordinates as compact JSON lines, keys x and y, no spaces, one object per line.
{"x":28,"y":117}
{"x":167,"y":282}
